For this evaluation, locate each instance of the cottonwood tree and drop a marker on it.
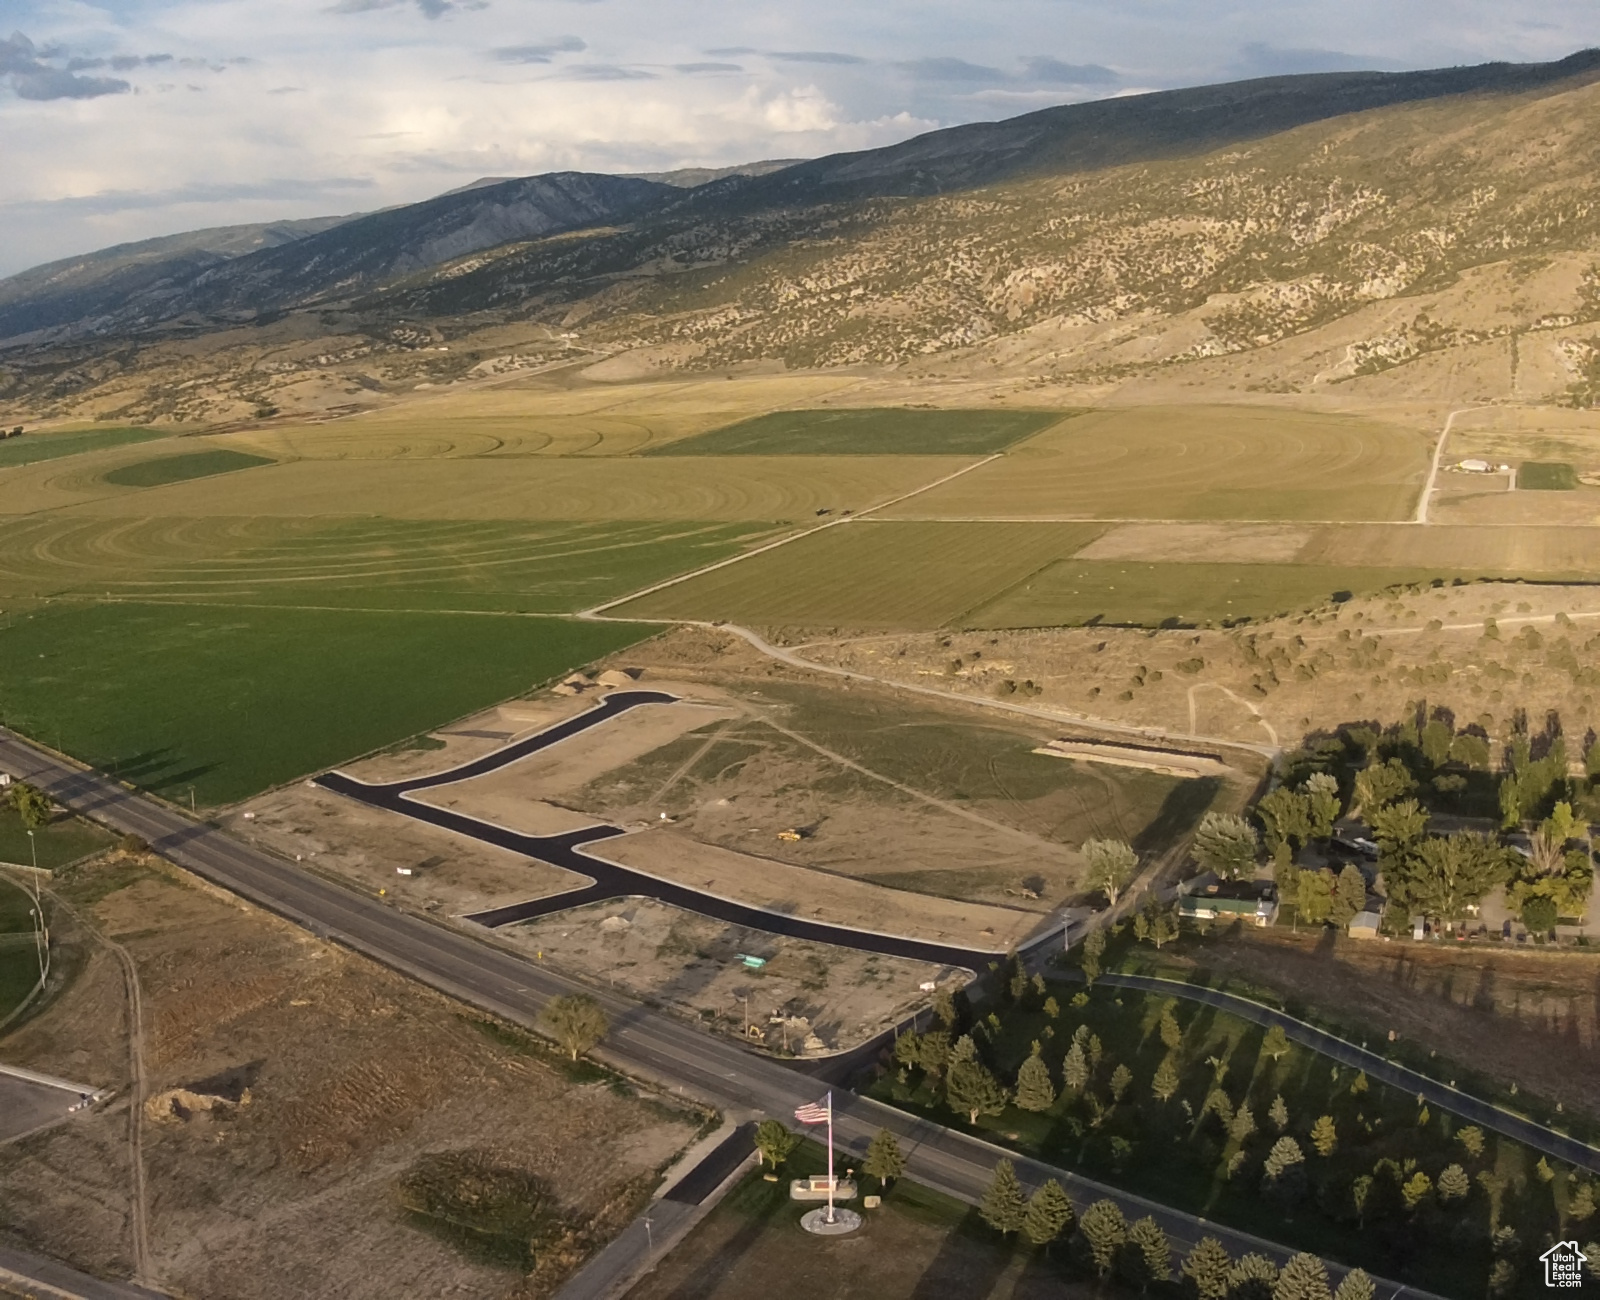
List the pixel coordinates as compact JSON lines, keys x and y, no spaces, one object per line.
{"x":1397,"y":828}
{"x":576,"y":1022}
{"x":885,"y":1161}
{"x":1146,"y":1257}
{"x":1112,"y":866}
{"x":1349,"y":895}
{"x":1102,"y":1230}
{"x":1048,"y":1215}
{"x":1227,"y":845}
{"x":1003,"y":1207}
{"x":1205,"y":1270}
{"x":1285,"y":816}
{"x":31,"y":804}
{"x":1382,"y":784}
{"x":1275,"y":1043}
{"x":971,"y":1089}
{"x":1035,"y":1091}
{"x":1322,"y":793}
{"x":775,"y":1143}
{"x":1304,"y":1277}
{"x":1446,"y":873}
{"x":1252,"y":1278}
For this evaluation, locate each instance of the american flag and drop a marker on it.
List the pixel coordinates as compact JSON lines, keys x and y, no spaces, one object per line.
{"x":815,"y":1112}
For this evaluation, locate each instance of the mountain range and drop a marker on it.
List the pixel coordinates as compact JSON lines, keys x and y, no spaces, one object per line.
{"x":1270,"y":207}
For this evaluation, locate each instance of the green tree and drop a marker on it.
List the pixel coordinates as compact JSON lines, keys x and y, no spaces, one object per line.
{"x":1252,"y":1278}
{"x":1121,"y":1081}
{"x":1052,"y":1008}
{"x":1358,"y":1085}
{"x":1349,"y":895}
{"x":1102,"y":1230}
{"x":31,"y":804}
{"x":1453,"y":1183}
{"x":1003,"y":1207}
{"x":775,"y":1143}
{"x":885,"y":1161}
{"x":1075,"y":1068}
{"x":1285,"y":817}
{"x":1471,"y":1139}
{"x":1161,"y":924}
{"x":1205,"y":1270}
{"x":1166,"y":1080}
{"x":1048,"y":1215}
{"x":1324,"y":1136}
{"x":1322,"y":794}
{"x":1227,"y":845}
{"x":1446,"y":873}
{"x":972,"y":1090}
{"x":1355,"y":1286}
{"x":1276,"y":1042}
{"x":1539,"y":913}
{"x":576,"y":1022}
{"x":1313,"y":897}
{"x":1112,"y":866}
{"x":1380,"y":785}
{"x":964,"y":1050}
{"x":1397,"y":828}
{"x":933,"y":1052}
{"x":1304,"y":1277}
{"x":907,"y":1049}
{"x":944,"y":1007}
{"x":1171,"y":1031}
{"x":1415,"y":1189}
{"x":1035,"y":1091}
{"x":1361,"y":1196}
{"x":1146,"y":1258}
{"x":1242,"y":1125}
{"x":1285,"y":1168}
{"x":1579,"y":1207}
{"x":1279,"y":1113}
{"x":1094,"y":947}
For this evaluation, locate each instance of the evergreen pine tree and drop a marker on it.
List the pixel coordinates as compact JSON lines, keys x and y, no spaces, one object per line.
{"x":972,"y":1090}
{"x":1205,"y":1271}
{"x":1471,"y":1139}
{"x":1048,"y":1215}
{"x":1121,"y":1081}
{"x":1243,"y":1125}
{"x":1146,"y":1258}
{"x":1003,"y":1208}
{"x":1454,"y":1185}
{"x":933,"y":1052}
{"x":1102,"y":1230}
{"x":1035,"y":1091}
{"x":1252,"y":1278}
{"x":1304,"y":1277}
{"x":1097,"y":1053}
{"x":1279,"y":1113}
{"x":1075,"y":1068}
{"x":884,"y":1161}
{"x":1052,"y":1008}
{"x":1324,"y":1136}
{"x":1166,"y":1081}
{"x":1355,"y":1286}
{"x":1171,"y":1031}
{"x":964,"y":1050}
{"x":1579,"y":1207}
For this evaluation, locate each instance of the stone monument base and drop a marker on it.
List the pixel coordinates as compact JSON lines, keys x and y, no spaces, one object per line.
{"x":844,"y":1221}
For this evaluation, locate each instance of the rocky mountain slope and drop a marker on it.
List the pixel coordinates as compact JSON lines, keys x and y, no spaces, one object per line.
{"x":1335,"y":251}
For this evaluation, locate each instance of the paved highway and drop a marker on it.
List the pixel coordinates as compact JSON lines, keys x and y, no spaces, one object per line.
{"x":642,"y":1042}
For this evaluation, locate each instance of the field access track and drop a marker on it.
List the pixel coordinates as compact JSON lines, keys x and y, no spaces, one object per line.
{"x":612,"y":880}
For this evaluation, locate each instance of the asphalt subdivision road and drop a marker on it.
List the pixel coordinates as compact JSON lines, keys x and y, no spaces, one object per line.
{"x":648,"y":1044}
{"x":611,"y":880}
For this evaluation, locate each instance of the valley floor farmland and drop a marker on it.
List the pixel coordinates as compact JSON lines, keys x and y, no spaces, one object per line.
{"x":230,"y":701}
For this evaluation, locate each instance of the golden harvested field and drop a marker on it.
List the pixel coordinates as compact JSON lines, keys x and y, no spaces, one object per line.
{"x":768,"y":488}
{"x":871,"y":574}
{"x":1205,"y":462}
{"x":1535,"y":551}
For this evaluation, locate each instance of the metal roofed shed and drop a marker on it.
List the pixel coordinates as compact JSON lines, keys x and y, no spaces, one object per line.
{"x":1254,"y":901}
{"x":1364,"y":925}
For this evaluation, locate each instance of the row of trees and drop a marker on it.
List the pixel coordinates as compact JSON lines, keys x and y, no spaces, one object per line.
{"x":1140,"y":1253}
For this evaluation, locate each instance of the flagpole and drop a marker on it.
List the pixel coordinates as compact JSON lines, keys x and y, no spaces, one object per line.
{"x":830,"y":1155}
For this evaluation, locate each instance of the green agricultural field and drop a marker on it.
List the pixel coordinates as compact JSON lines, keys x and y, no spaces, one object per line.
{"x":383,"y":563}
{"x":883,"y":431}
{"x":1546,"y":476}
{"x":230,"y":701}
{"x":163,"y":470}
{"x":1074,"y":592}
{"x":64,"y":840}
{"x":1207,"y":462}
{"x":19,"y":961}
{"x":33,"y":447}
{"x":872,"y":575}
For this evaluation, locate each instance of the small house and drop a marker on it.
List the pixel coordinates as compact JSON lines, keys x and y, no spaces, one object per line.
{"x":1253,"y":901}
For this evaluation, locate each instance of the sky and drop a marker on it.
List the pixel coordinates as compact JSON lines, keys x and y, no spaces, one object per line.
{"x":127,"y":119}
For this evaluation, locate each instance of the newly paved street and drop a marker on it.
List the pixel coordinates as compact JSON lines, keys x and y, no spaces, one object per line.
{"x":642,"y":1042}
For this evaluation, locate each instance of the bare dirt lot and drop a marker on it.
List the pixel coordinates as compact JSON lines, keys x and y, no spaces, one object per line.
{"x":292,"y":1091}
{"x":692,"y":964}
